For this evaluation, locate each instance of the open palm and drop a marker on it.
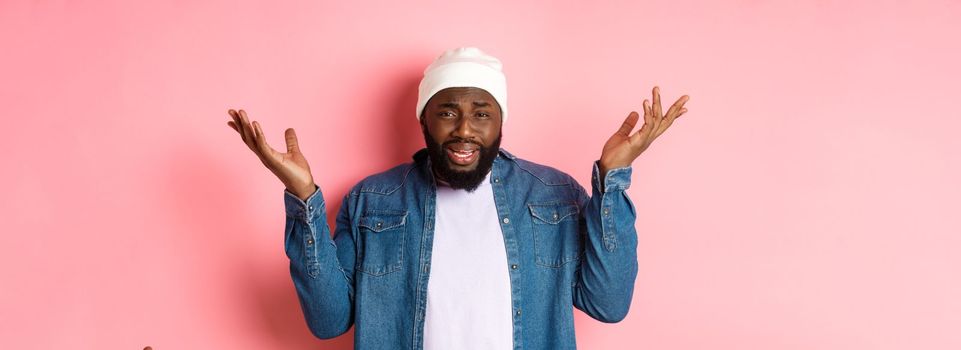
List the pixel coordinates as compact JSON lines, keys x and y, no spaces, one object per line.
{"x":623,"y":147}
{"x":291,"y":167}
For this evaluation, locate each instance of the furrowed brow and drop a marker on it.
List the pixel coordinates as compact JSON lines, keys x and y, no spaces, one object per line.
{"x":481,"y":104}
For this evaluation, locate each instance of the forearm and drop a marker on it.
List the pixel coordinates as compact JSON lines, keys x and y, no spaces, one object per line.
{"x":324,"y":289}
{"x":608,"y":268}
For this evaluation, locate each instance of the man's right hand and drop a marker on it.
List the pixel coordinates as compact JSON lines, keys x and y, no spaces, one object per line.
{"x":291,"y":167}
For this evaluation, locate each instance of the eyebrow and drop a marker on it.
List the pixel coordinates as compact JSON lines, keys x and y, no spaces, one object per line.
{"x":455,"y":105}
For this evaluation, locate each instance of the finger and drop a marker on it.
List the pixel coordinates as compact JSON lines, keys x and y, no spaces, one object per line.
{"x":236,"y":119}
{"x":645,"y":129}
{"x":629,"y":124}
{"x":233,"y":125}
{"x":663,"y":126}
{"x":234,"y":116}
{"x":667,"y":123}
{"x":648,"y":118}
{"x":656,"y":116}
{"x":239,"y":123}
{"x":261,"y":141}
{"x":638,"y":137}
{"x":247,"y":130}
{"x":657,"y":102}
{"x":671,"y":112}
{"x":291,"y":137}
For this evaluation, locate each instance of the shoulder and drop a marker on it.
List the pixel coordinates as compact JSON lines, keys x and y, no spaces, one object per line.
{"x":385,"y":182}
{"x":389,"y":181}
{"x":547,"y":175}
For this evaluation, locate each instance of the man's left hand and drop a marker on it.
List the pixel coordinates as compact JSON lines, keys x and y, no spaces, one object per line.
{"x":623,"y":147}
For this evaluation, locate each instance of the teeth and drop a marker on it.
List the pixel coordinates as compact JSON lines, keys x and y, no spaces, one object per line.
{"x":463,"y":154}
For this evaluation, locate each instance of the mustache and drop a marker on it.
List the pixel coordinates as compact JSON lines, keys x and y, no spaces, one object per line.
{"x":460,"y":140}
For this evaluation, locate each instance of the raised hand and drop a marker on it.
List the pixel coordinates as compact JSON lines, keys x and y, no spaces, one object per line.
{"x":623,"y":147}
{"x":291,"y":167}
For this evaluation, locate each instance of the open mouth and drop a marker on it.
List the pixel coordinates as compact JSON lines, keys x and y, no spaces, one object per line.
{"x":462,"y":153}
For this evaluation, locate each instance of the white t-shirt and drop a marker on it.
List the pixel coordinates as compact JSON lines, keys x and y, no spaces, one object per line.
{"x":469,"y":290}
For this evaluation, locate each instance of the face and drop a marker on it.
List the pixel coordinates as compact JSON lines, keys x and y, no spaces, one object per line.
{"x":462,"y":130}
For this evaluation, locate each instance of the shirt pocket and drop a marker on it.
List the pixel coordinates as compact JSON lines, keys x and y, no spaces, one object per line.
{"x":556,"y":237}
{"x":382,"y":238}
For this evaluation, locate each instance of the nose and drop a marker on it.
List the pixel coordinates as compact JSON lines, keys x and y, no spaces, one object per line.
{"x":465,"y":129}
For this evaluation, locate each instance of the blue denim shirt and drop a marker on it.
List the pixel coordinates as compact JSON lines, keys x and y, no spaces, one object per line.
{"x":564,"y":248}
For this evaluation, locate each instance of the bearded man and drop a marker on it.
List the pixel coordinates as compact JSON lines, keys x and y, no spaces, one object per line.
{"x":468,"y":246}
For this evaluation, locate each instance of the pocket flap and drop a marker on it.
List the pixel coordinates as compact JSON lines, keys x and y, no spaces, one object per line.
{"x":552,"y":213}
{"x":381,"y":221}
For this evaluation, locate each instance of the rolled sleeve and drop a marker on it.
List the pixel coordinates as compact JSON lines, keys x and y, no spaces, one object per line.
{"x":617,"y":179}
{"x":304,"y":210}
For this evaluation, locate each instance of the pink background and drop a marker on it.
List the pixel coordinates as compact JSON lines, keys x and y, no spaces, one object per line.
{"x":808,"y":200}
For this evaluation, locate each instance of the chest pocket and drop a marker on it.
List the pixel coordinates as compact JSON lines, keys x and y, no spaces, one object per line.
{"x":556,"y":236}
{"x":382,"y":235}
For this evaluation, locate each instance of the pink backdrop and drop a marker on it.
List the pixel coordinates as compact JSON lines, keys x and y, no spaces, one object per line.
{"x":808,"y":200}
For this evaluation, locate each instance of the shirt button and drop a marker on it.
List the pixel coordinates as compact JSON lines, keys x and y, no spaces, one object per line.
{"x":310,"y":207}
{"x":497,"y":179}
{"x":310,"y":241}
{"x":555,"y":216}
{"x":514,"y":266}
{"x":607,"y":211}
{"x":379,"y":224}
{"x":507,"y":221}
{"x":518,"y":312}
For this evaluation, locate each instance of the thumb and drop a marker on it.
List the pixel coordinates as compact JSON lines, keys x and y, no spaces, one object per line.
{"x":291,"y":137}
{"x":628,"y":124}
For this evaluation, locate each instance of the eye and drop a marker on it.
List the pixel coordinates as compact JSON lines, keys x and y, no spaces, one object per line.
{"x":483,"y":115}
{"x":446,"y":114}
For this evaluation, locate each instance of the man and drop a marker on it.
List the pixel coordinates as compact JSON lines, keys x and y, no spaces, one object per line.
{"x":468,"y":246}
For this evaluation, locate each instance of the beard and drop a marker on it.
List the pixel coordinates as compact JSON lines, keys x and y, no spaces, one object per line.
{"x":456,"y":179}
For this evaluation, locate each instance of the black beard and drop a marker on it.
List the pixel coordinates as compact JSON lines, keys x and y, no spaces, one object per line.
{"x":456,"y":179}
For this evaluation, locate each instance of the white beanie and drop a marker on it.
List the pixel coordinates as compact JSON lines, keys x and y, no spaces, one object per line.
{"x":464,"y":67}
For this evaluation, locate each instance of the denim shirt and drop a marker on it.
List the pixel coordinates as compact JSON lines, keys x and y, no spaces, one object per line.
{"x":564,"y":248}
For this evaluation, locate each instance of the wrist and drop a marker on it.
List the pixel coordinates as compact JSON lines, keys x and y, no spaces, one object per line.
{"x":303,"y":192}
{"x":603,"y":167}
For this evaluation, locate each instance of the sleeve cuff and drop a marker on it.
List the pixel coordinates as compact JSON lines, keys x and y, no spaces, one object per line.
{"x":617,"y":179}
{"x":312,"y":207}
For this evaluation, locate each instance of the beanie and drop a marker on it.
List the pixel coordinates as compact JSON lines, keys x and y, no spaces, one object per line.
{"x":464,"y":67}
